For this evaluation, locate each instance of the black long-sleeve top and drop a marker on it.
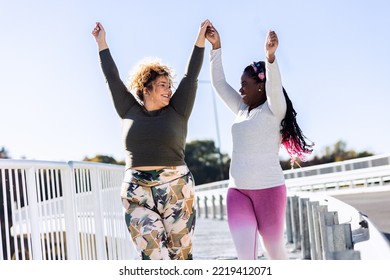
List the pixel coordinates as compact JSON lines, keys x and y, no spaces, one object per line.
{"x":154,"y":138}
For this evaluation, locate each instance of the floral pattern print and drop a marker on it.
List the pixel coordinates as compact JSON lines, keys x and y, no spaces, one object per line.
{"x":160,"y":212}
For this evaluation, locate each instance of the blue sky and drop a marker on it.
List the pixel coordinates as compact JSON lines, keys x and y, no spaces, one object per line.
{"x":54,"y":104}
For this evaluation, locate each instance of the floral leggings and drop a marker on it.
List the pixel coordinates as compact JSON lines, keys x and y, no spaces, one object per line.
{"x":160,"y":212}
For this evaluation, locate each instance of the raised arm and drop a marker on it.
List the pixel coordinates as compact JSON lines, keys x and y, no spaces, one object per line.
{"x":230,"y":96}
{"x":122,"y":98}
{"x":273,"y":86}
{"x":195,"y":63}
{"x":184,"y":97}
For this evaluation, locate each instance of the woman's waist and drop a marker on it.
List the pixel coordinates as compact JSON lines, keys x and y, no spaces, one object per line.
{"x":151,"y":160}
{"x":155,"y":175}
{"x":257,"y":156}
{"x":152,"y":167}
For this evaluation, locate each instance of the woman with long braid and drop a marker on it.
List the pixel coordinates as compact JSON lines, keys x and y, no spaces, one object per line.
{"x":265,"y":118}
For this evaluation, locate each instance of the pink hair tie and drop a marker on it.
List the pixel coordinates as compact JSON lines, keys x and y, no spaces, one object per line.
{"x":261,"y":76}
{"x":258,"y":68}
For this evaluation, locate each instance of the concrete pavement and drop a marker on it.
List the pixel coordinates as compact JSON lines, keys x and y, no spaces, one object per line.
{"x":212,"y":241}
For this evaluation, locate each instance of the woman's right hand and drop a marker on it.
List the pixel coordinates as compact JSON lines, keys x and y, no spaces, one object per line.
{"x":200,"y":40}
{"x":212,"y":36}
{"x":100,"y":36}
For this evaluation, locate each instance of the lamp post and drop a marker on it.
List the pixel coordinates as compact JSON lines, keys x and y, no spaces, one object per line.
{"x":216,"y":127}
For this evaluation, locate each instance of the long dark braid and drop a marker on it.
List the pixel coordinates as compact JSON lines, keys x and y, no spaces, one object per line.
{"x":293,"y":138}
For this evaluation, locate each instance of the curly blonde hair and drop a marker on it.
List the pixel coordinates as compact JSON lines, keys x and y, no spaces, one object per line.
{"x":144,"y":75}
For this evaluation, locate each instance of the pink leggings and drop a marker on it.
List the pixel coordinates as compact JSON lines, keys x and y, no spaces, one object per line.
{"x":252,"y":211}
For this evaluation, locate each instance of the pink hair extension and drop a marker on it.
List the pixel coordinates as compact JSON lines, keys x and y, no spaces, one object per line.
{"x":295,"y":151}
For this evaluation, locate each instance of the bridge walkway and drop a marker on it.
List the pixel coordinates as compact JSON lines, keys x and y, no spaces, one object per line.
{"x":212,"y":241}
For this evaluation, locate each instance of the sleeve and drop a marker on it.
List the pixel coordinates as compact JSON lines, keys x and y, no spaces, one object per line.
{"x":184,"y":97}
{"x":274,"y":89}
{"x":229,"y":96}
{"x":122,"y":98}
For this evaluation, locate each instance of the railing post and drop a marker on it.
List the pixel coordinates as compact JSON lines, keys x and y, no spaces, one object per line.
{"x":322,"y":210}
{"x":340,"y":241}
{"x":304,"y":227}
{"x":221,"y":207}
{"x":5,"y":223}
{"x":33,"y":214}
{"x":288,"y":221}
{"x":312,"y":228}
{"x":214,"y":208}
{"x":70,"y":214}
{"x":198,"y":204}
{"x":317,"y":230}
{"x":206,"y":212}
{"x":96,"y":188}
{"x":295,"y":222}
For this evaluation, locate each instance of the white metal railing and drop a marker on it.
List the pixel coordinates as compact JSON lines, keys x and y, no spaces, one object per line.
{"x":26,"y":186}
{"x":340,"y":166}
{"x":350,"y":175}
{"x":62,"y":210}
{"x":361,"y":172}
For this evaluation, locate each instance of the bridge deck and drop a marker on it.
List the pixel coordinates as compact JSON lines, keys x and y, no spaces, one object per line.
{"x":212,"y":241}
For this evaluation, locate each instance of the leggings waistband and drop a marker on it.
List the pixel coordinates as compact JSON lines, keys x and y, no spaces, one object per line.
{"x":151,"y":178}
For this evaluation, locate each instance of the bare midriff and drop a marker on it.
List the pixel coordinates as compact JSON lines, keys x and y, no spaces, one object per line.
{"x":146,"y":168}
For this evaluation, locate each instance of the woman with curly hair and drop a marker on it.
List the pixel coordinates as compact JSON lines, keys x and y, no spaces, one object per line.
{"x":158,"y":189}
{"x":265,"y":118}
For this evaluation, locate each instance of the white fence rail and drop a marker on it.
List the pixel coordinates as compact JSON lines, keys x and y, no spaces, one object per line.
{"x":357,"y":175}
{"x":362,"y":172}
{"x":52,"y":210}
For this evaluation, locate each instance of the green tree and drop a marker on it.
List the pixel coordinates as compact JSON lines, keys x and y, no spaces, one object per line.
{"x":4,"y":153}
{"x":205,"y":161}
{"x":103,"y":159}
